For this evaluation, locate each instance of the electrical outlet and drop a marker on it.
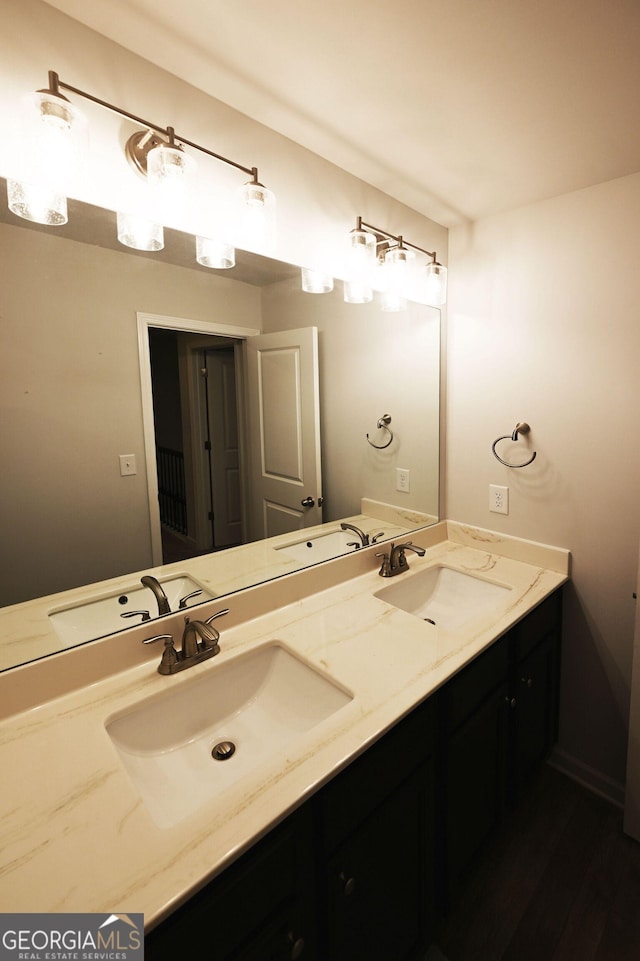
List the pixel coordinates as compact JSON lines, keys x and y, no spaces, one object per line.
{"x":128,"y":464}
{"x":402,"y":480}
{"x":498,"y":499}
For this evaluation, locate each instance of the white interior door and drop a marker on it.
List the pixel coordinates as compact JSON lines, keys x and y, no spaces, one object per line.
{"x":283,"y":399}
{"x":224,"y":450}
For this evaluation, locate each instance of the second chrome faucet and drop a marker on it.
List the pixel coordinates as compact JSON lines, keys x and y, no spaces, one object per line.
{"x":395,"y":562}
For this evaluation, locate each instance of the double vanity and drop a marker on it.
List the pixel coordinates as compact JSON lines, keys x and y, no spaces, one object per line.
{"x":329,"y":722}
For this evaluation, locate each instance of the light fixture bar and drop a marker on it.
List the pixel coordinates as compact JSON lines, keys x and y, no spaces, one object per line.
{"x":399,"y":239}
{"x":55,"y":84}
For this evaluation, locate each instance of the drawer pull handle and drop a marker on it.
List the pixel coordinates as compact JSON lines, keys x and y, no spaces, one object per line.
{"x":348,"y":884}
{"x":297,"y":946}
{"x":528,"y":681}
{"x":510,"y":701}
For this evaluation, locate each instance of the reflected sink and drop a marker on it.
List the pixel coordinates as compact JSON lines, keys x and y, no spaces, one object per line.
{"x":99,"y":616}
{"x":323,"y":547}
{"x":445,"y":597}
{"x":259,"y":703}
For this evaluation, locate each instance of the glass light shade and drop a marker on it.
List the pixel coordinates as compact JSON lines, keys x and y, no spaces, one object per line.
{"x":398,"y":263}
{"x":257,"y":218}
{"x":55,"y":131}
{"x":436,"y":284}
{"x":168,"y":170}
{"x":316,"y":281}
{"x":254,"y":194}
{"x":357,"y":292}
{"x":215,"y":253}
{"x":38,"y":203}
{"x":139,"y":233}
{"x":360,"y":249}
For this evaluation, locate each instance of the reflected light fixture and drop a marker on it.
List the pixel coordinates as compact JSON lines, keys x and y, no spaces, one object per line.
{"x":398,"y":277}
{"x":156,"y":152}
{"x":316,"y":281}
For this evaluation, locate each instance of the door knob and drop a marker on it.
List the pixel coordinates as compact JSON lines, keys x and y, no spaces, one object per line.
{"x":308,"y":502}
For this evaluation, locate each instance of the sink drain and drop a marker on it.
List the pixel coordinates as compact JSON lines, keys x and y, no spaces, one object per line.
{"x":223,"y":750}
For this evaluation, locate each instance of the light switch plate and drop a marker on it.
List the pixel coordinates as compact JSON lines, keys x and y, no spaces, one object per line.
{"x":128,"y":465}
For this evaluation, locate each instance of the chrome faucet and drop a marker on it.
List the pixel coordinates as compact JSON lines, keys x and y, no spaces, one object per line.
{"x":365,"y":541}
{"x":395,"y":562}
{"x":154,"y":584}
{"x":199,"y":642}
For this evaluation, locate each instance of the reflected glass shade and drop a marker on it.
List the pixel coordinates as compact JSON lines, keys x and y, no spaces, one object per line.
{"x":37,"y":203}
{"x":316,"y":281}
{"x":139,"y":233}
{"x":356,"y":292}
{"x":436,"y":284}
{"x":215,"y":253}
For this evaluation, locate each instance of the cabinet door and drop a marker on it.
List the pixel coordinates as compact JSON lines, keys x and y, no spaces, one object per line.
{"x":261,"y":907}
{"x":474,"y":767}
{"x":534,"y":717}
{"x":377,"y":888}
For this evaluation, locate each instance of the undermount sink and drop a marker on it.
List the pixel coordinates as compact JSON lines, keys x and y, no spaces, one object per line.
{"x":445,"y":597}
{"x":101,"y":615}
{"x":188,"y":745}
{"x":322,"y":547}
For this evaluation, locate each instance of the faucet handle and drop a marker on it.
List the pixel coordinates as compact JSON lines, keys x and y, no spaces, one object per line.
{"x":158,"y":637}
{"x":217,"y":614}
{"x":145,"y":615}
{"x":187,"y":597}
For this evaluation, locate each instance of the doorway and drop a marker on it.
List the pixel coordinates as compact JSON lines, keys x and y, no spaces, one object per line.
{"x":196,"y":431}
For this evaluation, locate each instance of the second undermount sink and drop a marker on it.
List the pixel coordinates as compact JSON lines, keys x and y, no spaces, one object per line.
{"x":186,"y":746}
{"x":322,"y":547}
{"x":445,"y":597}
{"x":100,"y":615}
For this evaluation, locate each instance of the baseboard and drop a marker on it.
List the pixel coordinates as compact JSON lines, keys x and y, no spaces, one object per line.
{"x":595,"y":781}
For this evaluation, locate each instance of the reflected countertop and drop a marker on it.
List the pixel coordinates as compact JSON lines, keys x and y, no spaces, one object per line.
{"x":76,"y":835}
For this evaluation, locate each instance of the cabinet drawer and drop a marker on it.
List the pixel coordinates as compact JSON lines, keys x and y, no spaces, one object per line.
{"x":467,"y":690}
{"x":347,"y":800}
{"x":543,"y":620}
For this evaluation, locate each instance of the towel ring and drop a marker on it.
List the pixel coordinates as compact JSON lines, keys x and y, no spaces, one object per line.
{"x":518,"y":429}
{"x":383,"y":424}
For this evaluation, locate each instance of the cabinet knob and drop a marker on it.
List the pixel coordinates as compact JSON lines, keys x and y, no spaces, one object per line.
{"x":348,"y":884}
{"x":527,"y":681}
{"x":510,"y":701}
{"x":297,"y":946}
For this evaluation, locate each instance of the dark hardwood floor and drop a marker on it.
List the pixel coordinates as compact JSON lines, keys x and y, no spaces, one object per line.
{"x":560,"y":882}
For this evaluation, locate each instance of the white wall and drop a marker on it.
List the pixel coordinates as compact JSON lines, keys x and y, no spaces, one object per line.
{"x":71,"y":402}
{"x":544,"y":328}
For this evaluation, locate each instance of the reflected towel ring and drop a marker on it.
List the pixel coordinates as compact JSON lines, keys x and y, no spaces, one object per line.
{"x":518,"y":429}
{"x":383,"y":424}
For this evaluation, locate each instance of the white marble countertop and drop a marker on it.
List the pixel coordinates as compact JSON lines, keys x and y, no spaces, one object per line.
{"x":26,"y":631}
{"x":76,"y":835}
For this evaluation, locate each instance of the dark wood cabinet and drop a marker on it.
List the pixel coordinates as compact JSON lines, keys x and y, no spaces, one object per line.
{"x":262,"y":907}
{"x":376,"y":848}
{"x":497,"y":722}
{"x":358,"y":871}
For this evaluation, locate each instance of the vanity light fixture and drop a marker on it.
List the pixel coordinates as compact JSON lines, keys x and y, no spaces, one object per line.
{"x":395,"y":258}
{"x":156,"y":152}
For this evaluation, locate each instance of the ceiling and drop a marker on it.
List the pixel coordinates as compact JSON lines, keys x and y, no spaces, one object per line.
{"x":458,"y":108}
